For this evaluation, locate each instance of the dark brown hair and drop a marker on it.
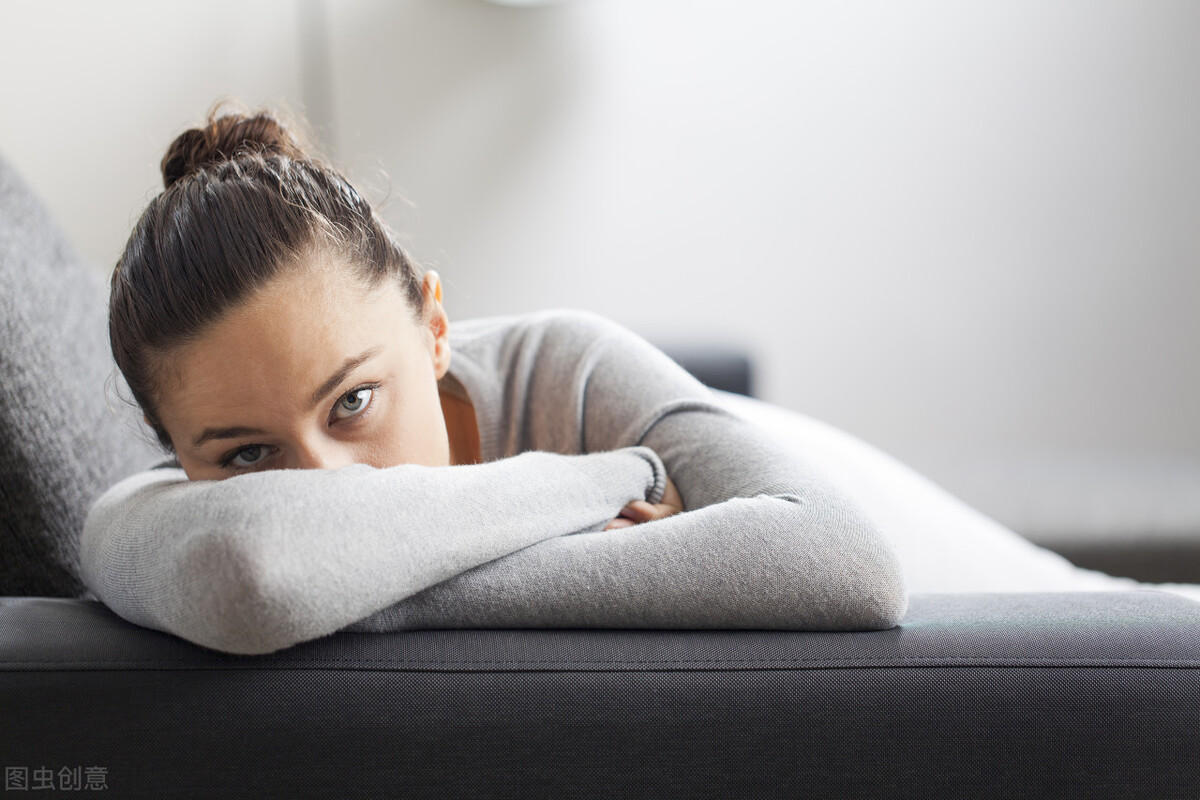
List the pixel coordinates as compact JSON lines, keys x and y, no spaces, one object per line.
{"x":242,"y":201}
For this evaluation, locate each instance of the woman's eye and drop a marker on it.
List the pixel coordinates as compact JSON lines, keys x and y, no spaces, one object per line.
{"x":248,"y":456}
{"x":353,"y":403}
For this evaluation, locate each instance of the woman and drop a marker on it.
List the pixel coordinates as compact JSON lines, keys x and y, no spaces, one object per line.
{"x":344,"y":459}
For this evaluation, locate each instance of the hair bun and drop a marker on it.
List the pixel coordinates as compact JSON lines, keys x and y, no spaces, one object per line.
{"x":223,"y":138}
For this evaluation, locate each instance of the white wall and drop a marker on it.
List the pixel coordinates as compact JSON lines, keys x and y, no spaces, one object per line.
{"x":965,"y":231}
{"x":91,"y":94}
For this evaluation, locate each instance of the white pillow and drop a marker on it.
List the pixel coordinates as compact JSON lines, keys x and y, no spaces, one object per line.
{"x":944,"y":545}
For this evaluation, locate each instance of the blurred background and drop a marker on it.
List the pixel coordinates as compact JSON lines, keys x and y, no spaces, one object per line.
{"x":963,"y":231}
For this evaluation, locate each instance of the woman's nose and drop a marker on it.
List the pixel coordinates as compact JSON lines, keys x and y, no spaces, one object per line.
{"x":323,"y":455}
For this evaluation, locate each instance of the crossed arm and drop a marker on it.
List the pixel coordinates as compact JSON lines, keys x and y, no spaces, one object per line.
{"x":778,"y":549}
{"x":263,"y":561}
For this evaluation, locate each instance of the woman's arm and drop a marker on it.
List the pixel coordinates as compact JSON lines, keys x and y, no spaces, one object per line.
{"x":765,"y":541}
{"x":798,"y":554}
{"x":253,"y":564}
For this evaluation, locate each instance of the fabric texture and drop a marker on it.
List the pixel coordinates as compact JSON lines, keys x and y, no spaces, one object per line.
{"x":61,"y":443}
{"x":972,"y":696}
{"x":574,"y":414}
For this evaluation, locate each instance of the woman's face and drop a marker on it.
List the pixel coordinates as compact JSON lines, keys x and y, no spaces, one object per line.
{"x":312,"y":372}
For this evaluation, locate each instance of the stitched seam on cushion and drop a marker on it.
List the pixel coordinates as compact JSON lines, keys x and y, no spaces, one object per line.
{"x":864,"y":661}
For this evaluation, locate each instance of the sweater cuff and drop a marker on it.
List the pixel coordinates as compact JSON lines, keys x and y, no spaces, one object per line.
{"x":658,"y":486}
{"x":630,"y":473}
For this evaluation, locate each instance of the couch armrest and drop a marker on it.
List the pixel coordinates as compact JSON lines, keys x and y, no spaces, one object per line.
{"x":1065,"y":695}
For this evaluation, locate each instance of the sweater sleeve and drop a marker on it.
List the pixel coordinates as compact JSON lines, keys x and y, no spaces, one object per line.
{"x":764,"y":542}
{"x":252,"y":564}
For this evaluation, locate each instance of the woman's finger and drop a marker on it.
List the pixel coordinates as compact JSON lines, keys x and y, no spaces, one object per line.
{"x":641,"y":511}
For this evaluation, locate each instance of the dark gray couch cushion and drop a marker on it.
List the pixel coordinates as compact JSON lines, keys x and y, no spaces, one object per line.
{"x":1063,"y":695}
{"x":62,"y":439}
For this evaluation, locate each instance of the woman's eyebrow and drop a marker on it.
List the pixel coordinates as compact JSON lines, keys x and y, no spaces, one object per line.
{"x":339,"y":376}
{"x":226,"y":433}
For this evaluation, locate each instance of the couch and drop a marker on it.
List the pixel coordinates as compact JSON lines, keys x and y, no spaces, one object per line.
{"x":979,"y":692}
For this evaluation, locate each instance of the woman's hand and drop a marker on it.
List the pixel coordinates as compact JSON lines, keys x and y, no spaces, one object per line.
{"x":640,"y":511}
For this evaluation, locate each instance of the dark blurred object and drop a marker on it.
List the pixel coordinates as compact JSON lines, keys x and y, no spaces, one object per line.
{"x":716,"y":366}
{"x":1150,"y":556}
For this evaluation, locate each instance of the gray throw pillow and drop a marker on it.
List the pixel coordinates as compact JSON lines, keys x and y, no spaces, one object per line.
{"x":63,"y":438}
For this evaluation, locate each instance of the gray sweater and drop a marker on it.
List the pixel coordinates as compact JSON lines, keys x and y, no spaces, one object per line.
{"x":577,"y":417}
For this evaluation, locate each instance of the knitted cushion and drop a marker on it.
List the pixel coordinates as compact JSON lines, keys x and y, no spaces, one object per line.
{"x":62,"y":439}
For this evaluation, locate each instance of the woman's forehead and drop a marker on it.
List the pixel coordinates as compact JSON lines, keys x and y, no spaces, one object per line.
{"x":282,"y":344}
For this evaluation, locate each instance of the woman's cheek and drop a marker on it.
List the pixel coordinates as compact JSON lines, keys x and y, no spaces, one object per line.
{"x":410,"y":433}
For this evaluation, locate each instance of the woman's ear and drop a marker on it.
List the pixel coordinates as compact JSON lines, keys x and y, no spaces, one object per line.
{"x":436,"y":322}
